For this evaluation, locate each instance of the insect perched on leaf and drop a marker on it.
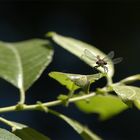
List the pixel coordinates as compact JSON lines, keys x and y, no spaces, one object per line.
{"x":102,"y":62}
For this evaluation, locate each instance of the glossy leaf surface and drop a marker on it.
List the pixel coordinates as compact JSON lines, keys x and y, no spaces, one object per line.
{"x":78,"y":47}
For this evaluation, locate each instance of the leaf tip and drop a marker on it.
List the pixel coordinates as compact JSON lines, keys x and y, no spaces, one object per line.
{"x":50,"y":74}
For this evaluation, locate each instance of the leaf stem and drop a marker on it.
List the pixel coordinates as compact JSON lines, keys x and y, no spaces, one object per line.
{"x":47,"y":104}
{"x":71,"y":92}
{"x":12,"y":125}
{"x":130,"y":79}
{"x":22,"y":96}
{"x":109,"y":81}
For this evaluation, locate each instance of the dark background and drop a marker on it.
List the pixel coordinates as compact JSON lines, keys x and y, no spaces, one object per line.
{"x":107,"y":25}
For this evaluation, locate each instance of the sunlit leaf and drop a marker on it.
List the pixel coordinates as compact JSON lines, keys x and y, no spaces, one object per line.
{"x":6,"y":135}
{"x":83,"y":131}
{"x":27,"y":133}
{"x":74,"y":81}
{"x":77,"y":48}
{"x":129,"y":94}
{"x":105,"y":106}
{"x":22,"y":63}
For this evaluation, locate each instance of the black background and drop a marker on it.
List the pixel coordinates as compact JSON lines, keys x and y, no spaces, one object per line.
{"x":105,"y":24}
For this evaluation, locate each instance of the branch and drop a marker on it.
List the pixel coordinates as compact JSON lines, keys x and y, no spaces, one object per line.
{"x":48,"y":104}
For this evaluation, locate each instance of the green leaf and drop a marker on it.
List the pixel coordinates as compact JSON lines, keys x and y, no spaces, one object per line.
{"x":27,"y":133}
{"x":77,"y":48}
{"x":83,"y":131}
{"x":106,"y":106}
{"x":6,"y":135}
{"x":22,"y":63}
{"x":74,"y":81}
{"x":130,"y":94}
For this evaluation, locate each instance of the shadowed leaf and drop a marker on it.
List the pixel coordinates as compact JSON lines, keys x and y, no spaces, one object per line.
{"x":83,"y":131}
{"x":27,"y":133}
{"x":105,"y":106}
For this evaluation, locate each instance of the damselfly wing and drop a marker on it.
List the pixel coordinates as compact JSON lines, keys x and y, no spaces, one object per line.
{"x":102,"y":62}
{"x":111,"y":55}
{"x":90,"y":55}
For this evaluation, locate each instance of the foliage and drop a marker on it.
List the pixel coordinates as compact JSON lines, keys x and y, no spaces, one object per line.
{"x":22,"y":63}
{"x":106,"y":106}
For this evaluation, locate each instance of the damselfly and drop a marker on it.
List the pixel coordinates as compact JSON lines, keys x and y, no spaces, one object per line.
{"x":102,"y":62}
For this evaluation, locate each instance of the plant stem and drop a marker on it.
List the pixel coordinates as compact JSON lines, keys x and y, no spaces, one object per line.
{"x":48,"y":104}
